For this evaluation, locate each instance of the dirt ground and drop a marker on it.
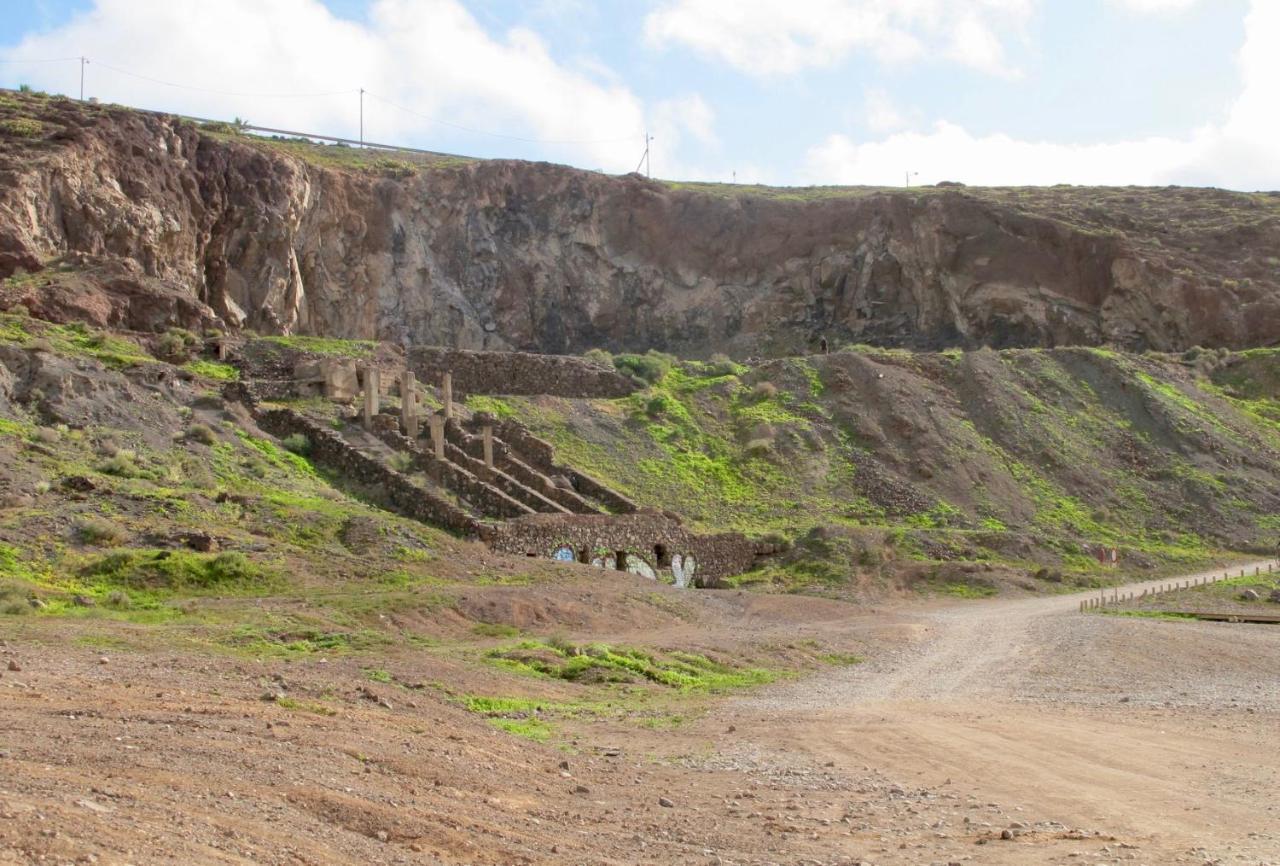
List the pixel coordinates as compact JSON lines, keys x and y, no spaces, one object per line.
{"x":994,"y":731}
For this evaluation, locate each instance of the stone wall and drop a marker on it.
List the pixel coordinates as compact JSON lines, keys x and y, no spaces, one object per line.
{"x":489,"y":491}
{"x":650,"y":543}
{"x":517,"y":373}
{"x":541,"y":456}
{"x":391,"y":488}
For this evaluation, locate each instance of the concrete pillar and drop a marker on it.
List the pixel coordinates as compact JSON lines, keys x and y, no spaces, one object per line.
{"x":446,"y":395}
{"x":408,"y":404}
{"x":371,"y":387}
{"x":487,"y":433}
{"x":222,"y":350}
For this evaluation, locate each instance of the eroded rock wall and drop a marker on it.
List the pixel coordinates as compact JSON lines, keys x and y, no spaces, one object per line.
{"x":512,"y":255}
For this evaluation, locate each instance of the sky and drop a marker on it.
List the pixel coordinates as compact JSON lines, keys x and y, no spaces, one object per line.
{"x":788,"y":92}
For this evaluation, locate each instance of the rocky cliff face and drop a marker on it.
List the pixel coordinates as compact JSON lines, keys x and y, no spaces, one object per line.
{"x":506,"y":254}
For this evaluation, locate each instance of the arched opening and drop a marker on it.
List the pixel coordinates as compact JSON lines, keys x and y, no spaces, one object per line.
{"x":620,"y":560}
{"x":660,"y":555}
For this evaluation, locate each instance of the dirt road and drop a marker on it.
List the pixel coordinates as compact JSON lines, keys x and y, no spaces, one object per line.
{"x":1128,"y":740}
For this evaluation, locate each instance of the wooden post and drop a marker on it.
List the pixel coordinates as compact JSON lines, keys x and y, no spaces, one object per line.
{"x":222,"y":350}
{"x":446,"y":395}
{"x":436,"y":422}
{"x":408,"y":407}
{"x":371,"y":383}
{"x":487,"y":433}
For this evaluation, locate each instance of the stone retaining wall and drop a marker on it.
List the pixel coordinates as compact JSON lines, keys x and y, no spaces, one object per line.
{"x":651,"y":543}
{"x":541,"y":455}
{"x":396,"y":492}
{"x":517,"y":373}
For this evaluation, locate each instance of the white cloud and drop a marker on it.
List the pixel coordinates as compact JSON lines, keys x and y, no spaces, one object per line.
{"x":429,"y":55}
{"x":1158,"y":6}
{"x":764,"y":37}
{"x":1239,"y":153}
{"x":882,"y":114}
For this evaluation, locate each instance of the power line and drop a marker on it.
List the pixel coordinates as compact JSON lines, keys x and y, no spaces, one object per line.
{"x":102,"y":65}
{"x":46,"y":60}
{"x":363,"y":93}
{"x":499,"y":134}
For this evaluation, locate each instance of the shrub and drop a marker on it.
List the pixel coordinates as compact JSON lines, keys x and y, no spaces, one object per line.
{"x":47,"y":435}
{"x":298,"y":443}
{"x":119,"y":599}
{"x":394,"y":167}
{"x":759,"y":447}
{"x":647,"y":368}
{"x":202,"y":434}
{"x":722,"y":365}
{"x":177,"y":345}
{"x":764,"y":391}
{"x":657,"y":406}
{"x":401,"y":461}
{"x":122,"y":465}
{"x":600,"y":357}
{"x":99,"y":532}
{"x":21,"y":127}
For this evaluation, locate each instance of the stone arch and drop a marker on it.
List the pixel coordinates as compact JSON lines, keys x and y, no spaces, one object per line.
{"x":564,"y":553}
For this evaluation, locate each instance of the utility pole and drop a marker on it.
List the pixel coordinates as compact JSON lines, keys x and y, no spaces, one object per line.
{"x":644,"y":157}
{"x":362,"y":117}
{"x":910,"y":174}
{"x":83,"y":61}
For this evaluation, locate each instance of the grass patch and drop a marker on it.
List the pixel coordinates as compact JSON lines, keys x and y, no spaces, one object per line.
{"x":325,"y":346}
{"x":601,"y":663}
{"x":177,"y":570}
{"x":213,"y":370}
{"x":314,"y":707}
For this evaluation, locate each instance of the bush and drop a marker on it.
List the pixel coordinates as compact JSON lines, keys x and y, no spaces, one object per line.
{"x":647,"y":368}
{"x":764,"y":391}
{"x":722,"y":365}
{"x":298,"y":443}
{"x":21,"y":127}
{"x":177,"y":345}
{"x":759,"y":447}
{"x":395,"y":167}
{"x":202,"y":434}
{"x":401,"y":461}
{"x":658,"y":406}
{"x":599,"y":357}
{"x":122,"y":465}
{"x":99,"y":532}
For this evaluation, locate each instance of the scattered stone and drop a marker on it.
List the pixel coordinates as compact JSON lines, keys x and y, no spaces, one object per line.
{"x":665,"y":803}
{"x":103,"y":660}
{"x":383,"y":835}
{"x":1006,"y":834}
{"x":36,"y":603}
{"x":581,"y":789}
{"x":82,"y":601}
{"x":1249,"y":595}
{"x":1274,"y":598}
{"x":14,"y":666}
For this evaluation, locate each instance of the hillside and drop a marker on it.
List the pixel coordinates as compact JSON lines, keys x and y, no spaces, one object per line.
{"x":133,"y":220}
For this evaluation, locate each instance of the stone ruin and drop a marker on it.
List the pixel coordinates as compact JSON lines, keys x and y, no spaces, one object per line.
{"x":477,"y":475}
